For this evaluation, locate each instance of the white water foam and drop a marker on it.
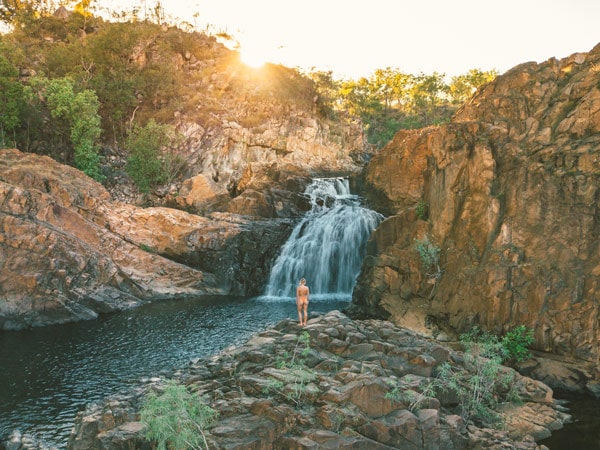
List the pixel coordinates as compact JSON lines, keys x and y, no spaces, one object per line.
{"x":327,"y":246}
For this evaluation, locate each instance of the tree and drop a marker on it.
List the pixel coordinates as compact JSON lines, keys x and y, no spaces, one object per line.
{"x":463,"y":86}
{"x":428,"y":92}
{"x":80,"y":111}
{"x":11,"y":100}
{"x":17,"y":11}
{"x":327,"y":91}
{"x":177,"y":419}
{"x":146,"y":164}
{"x":485,"y":382}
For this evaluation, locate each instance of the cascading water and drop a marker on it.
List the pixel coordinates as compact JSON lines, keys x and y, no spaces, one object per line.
{"x":327,"y":246}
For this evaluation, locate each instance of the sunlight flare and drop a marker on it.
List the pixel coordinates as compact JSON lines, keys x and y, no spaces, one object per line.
{"x":254,"y":56}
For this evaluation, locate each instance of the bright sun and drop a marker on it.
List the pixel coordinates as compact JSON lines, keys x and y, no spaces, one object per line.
{"x":254,"y":57}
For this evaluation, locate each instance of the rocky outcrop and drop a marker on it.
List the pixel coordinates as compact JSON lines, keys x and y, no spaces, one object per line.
{"x":260,"y":171}
{"x":508,"y":194}
{"x":335,"y":383}
{"x":235,"y":121}
{"x":247,"y":143}
{"x":68,"y":253}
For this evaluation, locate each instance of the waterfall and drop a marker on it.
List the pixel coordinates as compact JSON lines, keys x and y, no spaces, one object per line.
{"x":327,"y":246}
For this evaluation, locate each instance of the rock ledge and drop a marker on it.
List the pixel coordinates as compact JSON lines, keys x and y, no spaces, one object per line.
{"x":343,"y":405}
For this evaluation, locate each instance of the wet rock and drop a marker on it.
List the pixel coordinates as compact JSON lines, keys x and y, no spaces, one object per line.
{"x":20,"y":441}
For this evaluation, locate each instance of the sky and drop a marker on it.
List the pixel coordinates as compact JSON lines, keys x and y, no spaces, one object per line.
{"x":353,"y":38}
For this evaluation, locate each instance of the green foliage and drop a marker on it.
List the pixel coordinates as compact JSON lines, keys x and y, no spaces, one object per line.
{"x":516,"y":342}
{"x":462,"y":87}
{"x":146,"y":164}
{"x":484,"y":383}
{"x":17,"y":12}
{"x":430,"y":255}
{"x":147,"y":249}
{"x":415,"y":399}
{"x":115,"y":76}
{"x":11,"y":101}
{"x":422,"y":210}
{"x":295,"y":375}
{"x":479,"y":384}
{"x":141,"y":70}
{"x":80,"y":111}
{"x":390,"y":100}
{"x":177,"y":419}
{"x":428,"y":93}
{"x":326,"y":88}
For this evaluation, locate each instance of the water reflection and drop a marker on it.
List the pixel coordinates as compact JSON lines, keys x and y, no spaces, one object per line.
{"x":48,"y":374}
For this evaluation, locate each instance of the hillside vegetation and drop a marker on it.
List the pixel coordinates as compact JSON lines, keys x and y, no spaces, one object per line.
{"x":82,"y":89}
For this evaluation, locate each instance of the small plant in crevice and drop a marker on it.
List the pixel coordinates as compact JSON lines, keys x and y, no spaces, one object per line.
{"x":294,"y":375}
{"x":177,"y":418}
{"x":430,"y":258}
{"x":147,"y":249}
{"x":422,"y":210}
{"x":415,"y":399}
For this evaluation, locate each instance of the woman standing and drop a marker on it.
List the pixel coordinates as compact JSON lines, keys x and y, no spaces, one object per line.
{"x":302,"y":293}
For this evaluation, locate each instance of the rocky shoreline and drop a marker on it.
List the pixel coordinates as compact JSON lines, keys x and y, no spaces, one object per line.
{"x":364,"y":386}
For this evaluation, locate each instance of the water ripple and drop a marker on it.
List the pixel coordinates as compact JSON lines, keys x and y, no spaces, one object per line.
{"x":49,"y":374}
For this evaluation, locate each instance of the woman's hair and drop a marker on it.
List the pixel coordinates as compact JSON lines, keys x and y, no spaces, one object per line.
{"x":302,"y":280}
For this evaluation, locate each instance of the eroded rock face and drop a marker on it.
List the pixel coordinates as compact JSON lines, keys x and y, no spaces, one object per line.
{"x":350,"y":369}
{"x":285,"y":149}
{"x":511,"y":192}
{"x":68,"y":253}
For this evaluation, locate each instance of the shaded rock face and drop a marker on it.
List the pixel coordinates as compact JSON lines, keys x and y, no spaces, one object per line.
{"x":68,"y":253}
{"x":511,"y":190}
{"x":349,"y":368}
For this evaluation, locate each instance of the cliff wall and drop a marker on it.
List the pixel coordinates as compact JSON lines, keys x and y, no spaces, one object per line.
{"x":508,"y":194}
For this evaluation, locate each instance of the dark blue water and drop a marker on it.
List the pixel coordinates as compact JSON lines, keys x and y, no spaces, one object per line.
{"x":584,"y":432}
{"x":48,"y":374}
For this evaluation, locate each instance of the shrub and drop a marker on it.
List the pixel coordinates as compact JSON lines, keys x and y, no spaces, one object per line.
{"x":415,"y":399}
{"x":422,"y":210}
{"x":177,"y":419}
{"x":516,"y":342}
{"x":11,"y":101}
{"x":430,"y":255}
{"x":80,"y":112}
{"x":295,"y":375}
{"x":484,"y":383}
{"x":146,"y":163}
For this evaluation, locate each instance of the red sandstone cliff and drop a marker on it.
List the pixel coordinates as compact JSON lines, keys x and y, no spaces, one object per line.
{"x":511,"y":187}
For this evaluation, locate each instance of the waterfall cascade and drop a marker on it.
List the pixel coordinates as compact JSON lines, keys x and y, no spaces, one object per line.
{"x":327,"y":246}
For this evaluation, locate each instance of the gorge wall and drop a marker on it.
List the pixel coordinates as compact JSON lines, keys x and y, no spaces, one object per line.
{"x":68,"y":253}
{"x":508,"y":191}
